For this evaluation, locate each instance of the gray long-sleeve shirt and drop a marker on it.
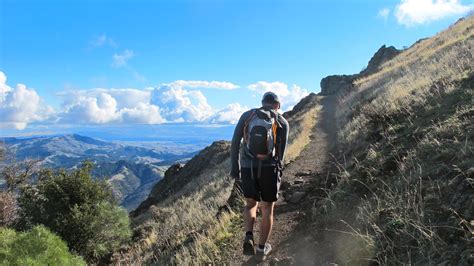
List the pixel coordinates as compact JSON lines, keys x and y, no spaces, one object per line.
{"x":240,"y":159}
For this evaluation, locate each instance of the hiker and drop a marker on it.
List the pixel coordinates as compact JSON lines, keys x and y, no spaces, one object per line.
{"x":259,"y":167}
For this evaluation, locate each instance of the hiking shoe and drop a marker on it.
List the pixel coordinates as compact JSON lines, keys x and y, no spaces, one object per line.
{"x":249,"y":248}
{"x":263,"y":253}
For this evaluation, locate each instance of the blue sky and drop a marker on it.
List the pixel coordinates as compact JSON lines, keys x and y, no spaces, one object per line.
{"x":66,"y":50}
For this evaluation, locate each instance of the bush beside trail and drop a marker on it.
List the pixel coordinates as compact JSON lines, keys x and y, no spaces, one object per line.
{"x":78,"y":208}
{"x":38,"y":246}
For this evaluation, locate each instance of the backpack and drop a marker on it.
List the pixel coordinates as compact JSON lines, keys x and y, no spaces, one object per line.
{"x":260,"y":135}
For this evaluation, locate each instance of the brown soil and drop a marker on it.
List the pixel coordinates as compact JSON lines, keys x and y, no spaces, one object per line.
{"x":293,"y":240}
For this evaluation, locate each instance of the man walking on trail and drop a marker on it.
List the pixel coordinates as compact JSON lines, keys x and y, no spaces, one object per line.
{"x":259,"y":167}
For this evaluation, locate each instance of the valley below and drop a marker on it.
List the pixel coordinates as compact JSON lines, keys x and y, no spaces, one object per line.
{"x":131,"y":168}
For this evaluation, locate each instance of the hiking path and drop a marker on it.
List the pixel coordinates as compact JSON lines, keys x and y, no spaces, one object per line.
{"x":291,"y":243}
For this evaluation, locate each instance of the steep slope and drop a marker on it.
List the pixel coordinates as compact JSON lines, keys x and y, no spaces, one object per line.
{"x":403,"y":184}
{"x":130,"y":181}
{"x":380,"y":171}
{"x":398,"y":188}
{"x":177,"y":223}
{"x":297,"y":193}
{"x":177,"y":177}
{"x":342,"y":84}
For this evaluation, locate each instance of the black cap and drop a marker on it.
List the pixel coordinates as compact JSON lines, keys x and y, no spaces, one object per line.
{"x":270,"y":97}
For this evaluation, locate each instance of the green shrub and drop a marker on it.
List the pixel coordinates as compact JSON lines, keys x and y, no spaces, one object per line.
{"x":38,"y":246}
{"x":79,"y":209}
{"x":99,"y":228}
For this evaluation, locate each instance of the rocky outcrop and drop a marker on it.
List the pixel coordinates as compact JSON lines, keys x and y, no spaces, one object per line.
{"x":174,"y":169}
{"x":335,"y":83}
{"x":383,"y":55}
{"x":344,"y":83}
{"x":302,"y":106}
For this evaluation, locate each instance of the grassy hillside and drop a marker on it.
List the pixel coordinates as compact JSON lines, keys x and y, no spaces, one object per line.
{"x":399,"y":189}
{"x":404,"y":185}
{"x":182,"y":219}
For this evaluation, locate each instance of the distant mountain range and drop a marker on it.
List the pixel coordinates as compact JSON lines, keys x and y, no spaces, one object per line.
{"x":131,"y":170}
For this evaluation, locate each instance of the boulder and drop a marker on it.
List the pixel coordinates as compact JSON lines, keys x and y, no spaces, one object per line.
{"x":383,"y":55}
{"x":336,"y":83}
{"x":296,"y":196}
{"x":344,"y":83}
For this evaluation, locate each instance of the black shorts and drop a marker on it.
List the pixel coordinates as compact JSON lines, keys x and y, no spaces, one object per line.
{"x":264,"y":188}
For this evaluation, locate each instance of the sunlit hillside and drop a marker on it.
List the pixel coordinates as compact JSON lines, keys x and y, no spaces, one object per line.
{"x":403,"y":189}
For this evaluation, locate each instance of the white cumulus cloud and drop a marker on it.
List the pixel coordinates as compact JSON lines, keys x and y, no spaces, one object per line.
{"x":125,"y":98}
{"x":296,"y":94}
{"x":20,"y":106}
{"x":109,"y":106}
{"x":412,"y":12}
{"x":87,"y":109}
{"x":289,"y":97}
{"x":120,"y":60}
{"x":154,"y":105}
{"x":142,"y":113}
{"x":181,"y":105}
{"x":175,"y":102}
{"x":230,"y":114}
{"x":277,"y":87}
{"x":4,"y":88}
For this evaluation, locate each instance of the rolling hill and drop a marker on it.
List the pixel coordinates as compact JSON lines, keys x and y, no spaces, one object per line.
{"x":130,"y":170}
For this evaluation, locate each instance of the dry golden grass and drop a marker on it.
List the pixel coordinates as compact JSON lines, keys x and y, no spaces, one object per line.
{"x":183,"y":228}
{"x":212,"y":246}
{"x":301,"y":131}
{"x":407,"y":79}
{"x":173,"y":224}
{"x":407,"y":134}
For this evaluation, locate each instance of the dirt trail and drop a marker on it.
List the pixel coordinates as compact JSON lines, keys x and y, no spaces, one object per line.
{"x":291,"y":243}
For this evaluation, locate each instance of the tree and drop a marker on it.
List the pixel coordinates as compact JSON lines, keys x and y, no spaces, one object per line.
{"x":8,"y":205}
{"x":8,"y":209}
{"x":16,"y":173}
{"x":78,"y":208}
{"x":39,"y":246}
{"x":2,"y":151}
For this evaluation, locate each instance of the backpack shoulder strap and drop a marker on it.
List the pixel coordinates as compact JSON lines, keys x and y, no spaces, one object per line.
{"x":275,"y":127}
{"x":277,"y":116}
{"x":246,"y":124}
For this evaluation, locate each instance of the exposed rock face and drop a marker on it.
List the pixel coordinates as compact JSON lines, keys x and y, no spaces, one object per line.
{"x":174,"y":169}
{"x":344,"y":83}
{"x":177,"y":176}
{"x":333,"y":84}
{"x":381,"y":56}
{"x":301,"y":107}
